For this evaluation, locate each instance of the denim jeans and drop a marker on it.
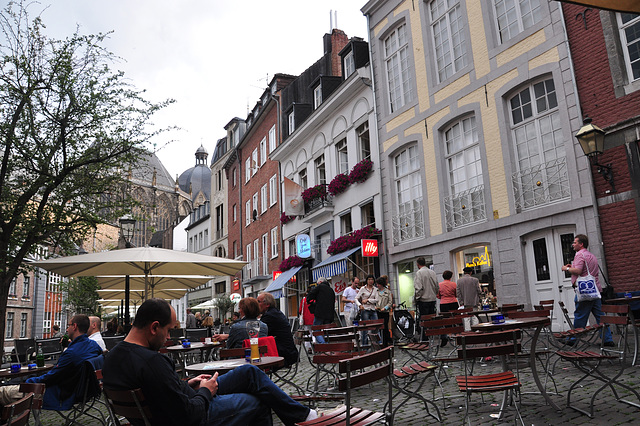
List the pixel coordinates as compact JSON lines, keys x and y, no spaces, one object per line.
{"x":246,"y":396}
{"x":320,"y":321}
{"x":366,"y":315}
{"x":581,"y":315}
{"x":424,"y":308}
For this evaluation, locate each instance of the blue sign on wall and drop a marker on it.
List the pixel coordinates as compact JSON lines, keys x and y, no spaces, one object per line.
{"x":303,"y":245}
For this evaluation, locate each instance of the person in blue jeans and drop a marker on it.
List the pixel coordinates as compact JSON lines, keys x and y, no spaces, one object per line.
{"x":584,"y":262}
{"x":243,"y":396}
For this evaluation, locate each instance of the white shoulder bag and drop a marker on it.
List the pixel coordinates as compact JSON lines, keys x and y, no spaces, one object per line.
{"x":586,"y":288}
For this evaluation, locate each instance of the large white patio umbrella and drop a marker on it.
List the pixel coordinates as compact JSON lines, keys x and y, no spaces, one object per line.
{"x":156,"y":283}
{"x":169,"y":294}
{"x":141,"y":261}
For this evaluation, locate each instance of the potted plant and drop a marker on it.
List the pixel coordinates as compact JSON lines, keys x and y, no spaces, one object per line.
{"x":339,"y":184}
{"x":352,"y":240}
{"x":284,"y":219}
{"x":318,"y":191}
{"x":361,"y":171}
{"x":290,"y":262}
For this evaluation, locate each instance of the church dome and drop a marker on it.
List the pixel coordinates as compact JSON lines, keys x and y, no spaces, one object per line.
{"x":197,"y":179}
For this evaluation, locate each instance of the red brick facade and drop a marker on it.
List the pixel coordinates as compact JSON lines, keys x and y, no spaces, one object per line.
{"x":611,"y":110}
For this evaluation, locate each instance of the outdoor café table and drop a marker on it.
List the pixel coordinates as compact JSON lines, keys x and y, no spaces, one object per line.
{"x":510,"y":324}
{"x":6,"y":374}
{"x":179,"y":351}
{"x":227,"y":365}
{"x":636,"y":337}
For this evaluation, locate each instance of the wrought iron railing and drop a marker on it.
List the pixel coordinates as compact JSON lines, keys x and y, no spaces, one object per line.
{"x":542,"y":184}
{"x":318,"y":203}
{"x":408,"y":225}
{"x":465,"y":207}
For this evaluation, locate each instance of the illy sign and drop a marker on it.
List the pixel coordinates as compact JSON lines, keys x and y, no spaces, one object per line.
{"x":369,"y":248}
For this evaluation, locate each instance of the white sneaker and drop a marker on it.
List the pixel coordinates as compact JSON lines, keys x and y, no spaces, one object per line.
{"x":313,"y":414}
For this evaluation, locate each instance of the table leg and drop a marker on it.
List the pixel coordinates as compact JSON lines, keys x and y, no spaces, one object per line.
{"x":634,"y":327}
{"x":534,"y":369}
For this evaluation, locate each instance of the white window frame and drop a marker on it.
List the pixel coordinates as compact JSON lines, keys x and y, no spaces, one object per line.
{"x":291,"y":120}
{"x":625,"y":43}
{"x":462,"y":148}
{"x":272,"y":138}
{"x":303,"y":178}
{"x":532,"y":15}
{"x":263,"y":151}
{"x":342,"y":156}
{"x":361,"y":130}
{"x":274,"y":242}
{"x":247,"y":213}
{"x":349,"y":64}
{"x":448,"y":37}
{"x":346,"y":224}
{"x":254,"y":162}
{"x":263,"y":199}
{"x":256,"y":257}
{"x":235,"y":176}
{"x":273,"y":190}
{"x":255,"y":203}
{"x":321,"y":170}
{"x":235,"y":213}
{"x":265,"y":254}
{"x":317,"y":96}
{"x":396,"y":58}
{"x":247,"y":166}
{"x":248,"y":259}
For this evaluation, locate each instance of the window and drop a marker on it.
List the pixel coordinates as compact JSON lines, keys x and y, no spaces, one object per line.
{"x":12,"y":288}
{"x":272,"y":138}
{"x":349,"y":65}
{"x":292,"y":246}
{"x":465,"y":203}
{"x":206,"y":238}
{"x":263,"y":151}
{"x":201,"y":242}
{"x":248,"y":259}
{"x":220,"y":287}
{"x":235,"y":249}
{"x":302,"y":178}
{"x":255,"y":204}
{"x":26,"y":287}
{"x":345,"y":224}
{"x":8,"y":333}
{"x":317,"y":96}
{"x":235,"y":176}
{"x":367,"y":214}
{"x":408,"y":186}
{"x":263,"y":198}
{"x":364,"y":143}
{"x":273,"y":190}
{"x":447,"y":28}
{"x":396,"y":53}
{"x":292,"y":122}
{"x":256,"y":257}
{"x":629,"y":25}
{"x":515,"y":16}
{"x":235,"y":213}
{"x":321,"y":175}
{"x":248,"y":213}
{"x":247,"y":171}
{"x":23,"y":325}
{"x":342,"y":156}
{"x":220,"y":220}
{"x":265,"y":254}
{"x":539,"y":146}
{"x":236,"y":137}
{"x":274,"y":242}
{"x":191,"y":244}
{"x":254,"y":162}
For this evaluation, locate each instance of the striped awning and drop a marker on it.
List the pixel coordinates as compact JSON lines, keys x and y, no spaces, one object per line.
{"x":332,"y":266}
{"x":275,"y":288}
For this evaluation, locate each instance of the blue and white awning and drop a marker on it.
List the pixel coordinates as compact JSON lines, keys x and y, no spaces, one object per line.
{"x":334,"y":265}
{"x":275,"y":288}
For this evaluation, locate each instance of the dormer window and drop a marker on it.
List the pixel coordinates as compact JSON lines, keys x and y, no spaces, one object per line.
{"x":292,"y":123}
{"x":349,"y":65}
{"x":317,"y":96}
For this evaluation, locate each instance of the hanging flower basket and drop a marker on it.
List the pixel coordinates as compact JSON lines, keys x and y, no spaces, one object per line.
{"x":290,"y":262}
{"x":339,"y":184}
{"x":284,"y":219}
{"x":361,"y":171}
{"x":318,"y":191}
{"x":352,"y":240}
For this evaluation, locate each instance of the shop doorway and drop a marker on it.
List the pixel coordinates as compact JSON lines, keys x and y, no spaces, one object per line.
{"x":545,"y":253}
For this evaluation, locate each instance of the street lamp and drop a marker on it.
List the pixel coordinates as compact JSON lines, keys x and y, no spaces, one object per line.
{"x":591,"y":138}
{"x":127,"y":228}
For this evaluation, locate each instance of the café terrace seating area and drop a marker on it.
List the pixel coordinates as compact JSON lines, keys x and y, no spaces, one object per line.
{"x":509,"y":367}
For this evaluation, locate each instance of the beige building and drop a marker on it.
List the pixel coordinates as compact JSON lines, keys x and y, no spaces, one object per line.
{"x":476,"y":110}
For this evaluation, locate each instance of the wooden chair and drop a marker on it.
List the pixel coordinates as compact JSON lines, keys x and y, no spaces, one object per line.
{"x":130,"y":404}
{"x":508,"y":307}
{"x":371,"y":368}
{"x":17,"y":413}
{"x":38,"y":393}
{"x":476,"y":345}
{"x":589,"y":362}
{"x":326,"y":357}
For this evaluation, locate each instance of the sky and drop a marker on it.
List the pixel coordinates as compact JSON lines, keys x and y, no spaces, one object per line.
{"x":213,"y":57}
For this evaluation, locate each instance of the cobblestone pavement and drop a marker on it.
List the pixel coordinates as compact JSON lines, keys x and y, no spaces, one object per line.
{"x":534,"y":410}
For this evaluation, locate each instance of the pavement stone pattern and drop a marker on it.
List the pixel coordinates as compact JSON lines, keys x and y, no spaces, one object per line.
{"x":534,"y":410}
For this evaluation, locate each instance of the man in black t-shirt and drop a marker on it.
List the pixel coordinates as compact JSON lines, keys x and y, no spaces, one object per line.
{"x":244,"y":396}
{"x":279,"y":328}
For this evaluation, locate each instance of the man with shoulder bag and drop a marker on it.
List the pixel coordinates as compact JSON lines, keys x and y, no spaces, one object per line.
{"x":585,"y":280}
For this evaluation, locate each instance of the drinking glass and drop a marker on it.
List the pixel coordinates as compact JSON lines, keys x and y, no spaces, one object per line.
{"x":253,"y":330}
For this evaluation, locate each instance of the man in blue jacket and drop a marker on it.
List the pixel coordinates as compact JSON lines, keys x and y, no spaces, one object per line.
{"x":62,"y":380}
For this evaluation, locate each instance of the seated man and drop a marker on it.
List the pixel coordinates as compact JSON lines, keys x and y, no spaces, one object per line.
{"x":244,"y":396}
{"x":94,"y":332}
{"x":279,"y":328}
{"x":61,"y":381}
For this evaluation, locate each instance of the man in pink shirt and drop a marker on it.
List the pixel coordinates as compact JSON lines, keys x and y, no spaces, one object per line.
{"x":585,"y":260}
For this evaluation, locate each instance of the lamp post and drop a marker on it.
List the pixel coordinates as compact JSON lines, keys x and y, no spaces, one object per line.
{"x":127,"y":228}
{"x":591,"y":138}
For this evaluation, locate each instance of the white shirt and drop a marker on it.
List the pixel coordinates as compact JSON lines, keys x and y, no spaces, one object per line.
{"x":350,"y":294}
{"x":97,"y":337}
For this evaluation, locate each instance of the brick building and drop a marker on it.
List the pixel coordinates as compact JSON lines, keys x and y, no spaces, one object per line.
{"x":604,"y":46}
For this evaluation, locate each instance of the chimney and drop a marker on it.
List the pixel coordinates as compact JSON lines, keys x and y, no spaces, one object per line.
{"x":338,"y":41}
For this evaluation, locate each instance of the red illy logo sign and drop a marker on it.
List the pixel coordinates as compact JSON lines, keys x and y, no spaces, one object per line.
{"x":369,"y":248}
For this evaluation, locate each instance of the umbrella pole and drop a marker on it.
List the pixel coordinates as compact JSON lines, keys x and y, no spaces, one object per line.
{"x":127,"y":315}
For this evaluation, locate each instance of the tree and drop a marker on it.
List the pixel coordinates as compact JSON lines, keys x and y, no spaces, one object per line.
{"x":70,"y":129}
{"x":81,"y":296}
{"x":224,"y":304}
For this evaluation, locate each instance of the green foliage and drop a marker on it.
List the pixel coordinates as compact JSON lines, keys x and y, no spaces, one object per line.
{"x":224,"y":304}
{"x":70,"y":127}
{"x":81,"y":296}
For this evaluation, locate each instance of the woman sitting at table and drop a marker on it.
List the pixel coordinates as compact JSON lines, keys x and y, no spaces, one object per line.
{"x":249,"y":310}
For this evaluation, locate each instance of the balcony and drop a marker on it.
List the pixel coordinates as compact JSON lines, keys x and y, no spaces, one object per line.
{"x":256,"y":269}
{"x":540,"y":185}
{"x":408,"y":225}
{"x":465,"y":208}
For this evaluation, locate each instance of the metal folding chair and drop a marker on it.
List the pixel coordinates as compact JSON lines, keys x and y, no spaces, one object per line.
{"x":17,"y":413}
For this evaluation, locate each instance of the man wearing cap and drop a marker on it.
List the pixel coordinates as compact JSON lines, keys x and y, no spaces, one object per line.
{"x":469,"y":295}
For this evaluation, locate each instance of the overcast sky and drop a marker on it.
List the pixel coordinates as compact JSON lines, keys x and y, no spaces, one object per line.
{"x":213,"y":57}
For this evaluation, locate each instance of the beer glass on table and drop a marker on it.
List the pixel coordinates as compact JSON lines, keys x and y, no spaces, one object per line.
{"x":253,"y":329}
